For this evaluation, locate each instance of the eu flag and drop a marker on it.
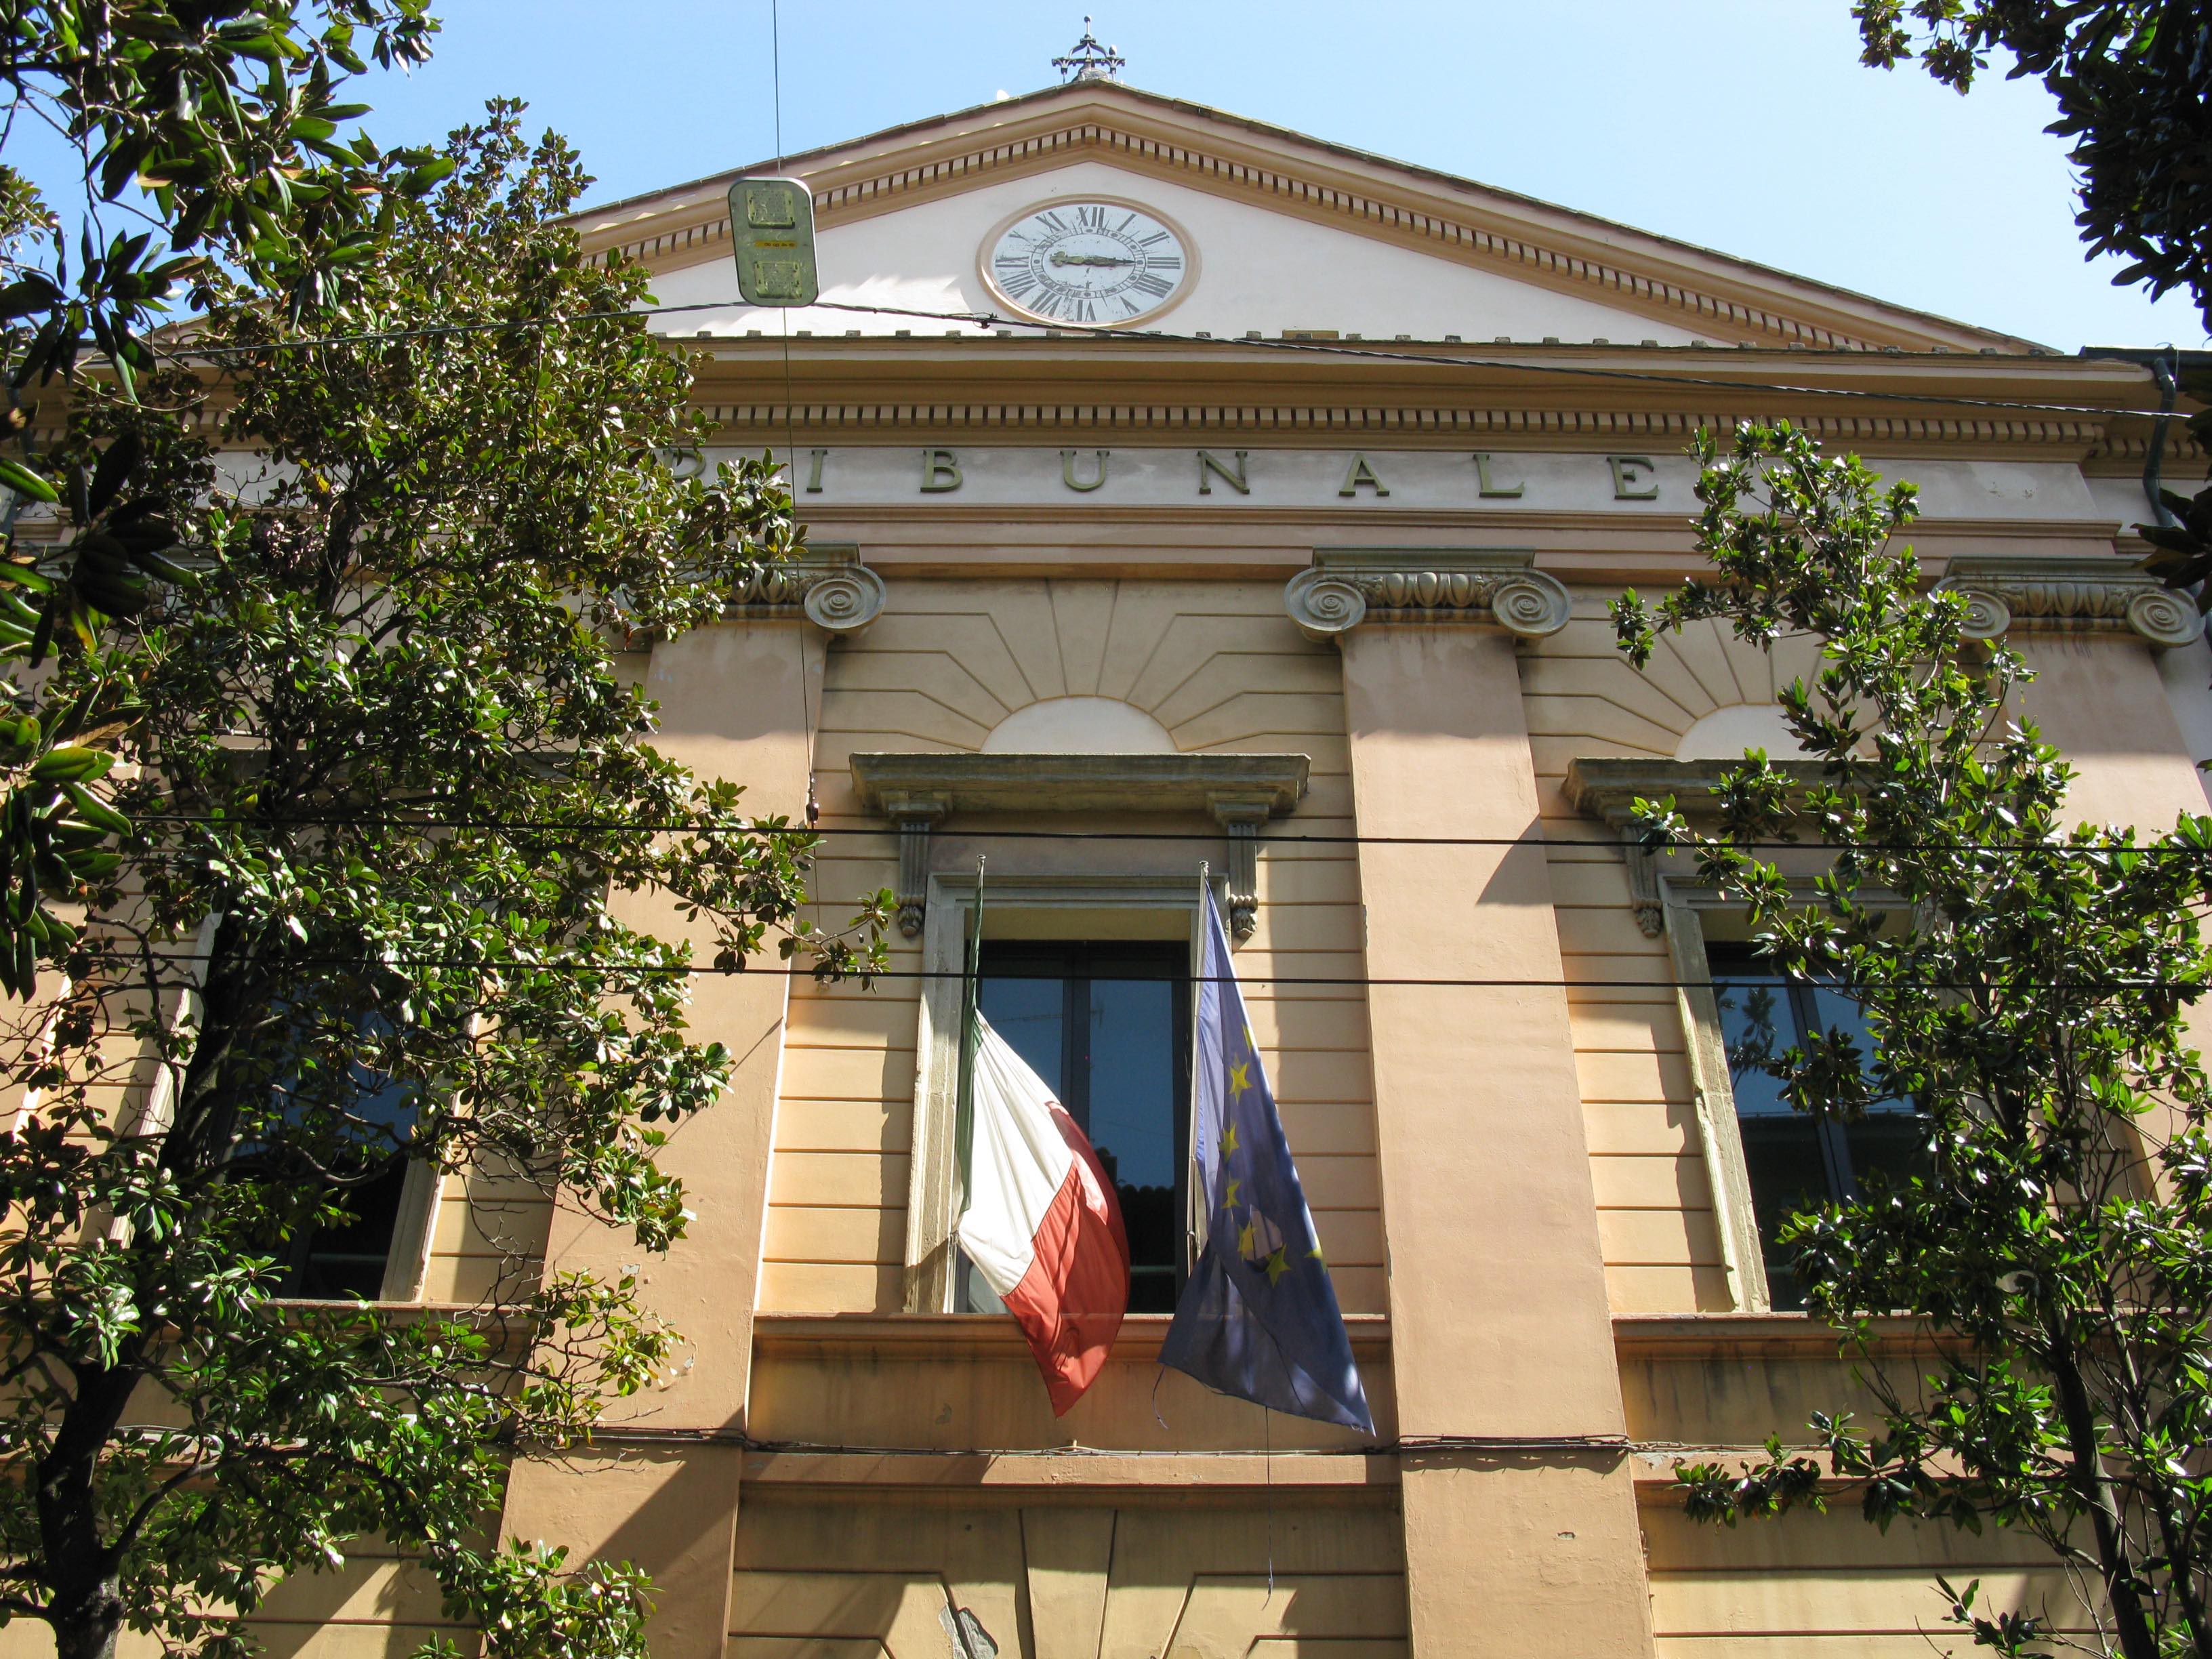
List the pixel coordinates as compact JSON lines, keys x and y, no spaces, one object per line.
{"x":1258,"y":1317}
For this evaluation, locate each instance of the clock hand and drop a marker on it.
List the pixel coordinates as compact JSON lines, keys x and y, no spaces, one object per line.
{"x":1063,"y":259}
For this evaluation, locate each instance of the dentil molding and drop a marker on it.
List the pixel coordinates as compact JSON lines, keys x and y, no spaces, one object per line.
{"x":1352,"y":584}
{"x":827,"y":584}
{"x":2080,"y":595}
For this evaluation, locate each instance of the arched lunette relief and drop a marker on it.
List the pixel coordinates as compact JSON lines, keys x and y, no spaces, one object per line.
{"x":2082,"y":595}
{"x":1347,"y":587}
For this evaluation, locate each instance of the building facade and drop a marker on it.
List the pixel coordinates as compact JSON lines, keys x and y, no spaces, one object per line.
{"x":1183,"y":491}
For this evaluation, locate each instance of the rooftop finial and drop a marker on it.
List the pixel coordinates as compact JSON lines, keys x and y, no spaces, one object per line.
{"x":1089,"y":61}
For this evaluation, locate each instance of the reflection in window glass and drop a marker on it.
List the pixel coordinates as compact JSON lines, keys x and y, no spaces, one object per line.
{"x":335,"y":1262}
{"x":1107,"y":1025}
{"x":1793,"y":1162}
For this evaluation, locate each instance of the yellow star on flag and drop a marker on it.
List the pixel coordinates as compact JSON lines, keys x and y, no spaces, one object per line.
{"x":1277,"y":1264}
{"x":1229,"y":1140}
{"x":1240,"y":1078}
{"x":1229,"y":1198}
{"x":1248,"y":1240}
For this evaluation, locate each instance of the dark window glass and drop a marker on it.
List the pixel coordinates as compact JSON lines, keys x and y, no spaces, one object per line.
{"x":378,"y":1118}
{"x":1107,"y":1025}
{"x":1794,"y":1162}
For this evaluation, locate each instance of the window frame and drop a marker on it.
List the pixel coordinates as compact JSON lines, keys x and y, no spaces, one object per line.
{"x":1720,"y":1132}
{"x":1720,"y":1135}
{"x":1060,"y":907}
{"x":149,"y":1109}
{"x":1082,"y":956}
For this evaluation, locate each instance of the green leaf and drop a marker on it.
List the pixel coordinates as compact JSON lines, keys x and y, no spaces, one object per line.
{"x":24,"y":482}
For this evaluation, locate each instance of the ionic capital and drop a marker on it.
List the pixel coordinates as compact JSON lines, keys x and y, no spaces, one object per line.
{"x":2078,"y":595}
{"x":827,"y":584}
{"x":1349,"y":586}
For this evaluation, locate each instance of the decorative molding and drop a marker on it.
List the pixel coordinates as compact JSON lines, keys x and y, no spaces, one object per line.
{"x":1555,"y":427}
{"x":1240,"y":793}
{"x":1349,"y":586}
{"x":2080,"y":595}
{"x":827,"y":585}
{"x":1411,"y":211}
{"x":1608,"y":790}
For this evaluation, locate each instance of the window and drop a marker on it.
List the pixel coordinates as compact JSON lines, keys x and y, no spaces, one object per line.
{"x":1106,"y":1023}
{"x":365,"y":1122}
{"x":1795,"y":1163}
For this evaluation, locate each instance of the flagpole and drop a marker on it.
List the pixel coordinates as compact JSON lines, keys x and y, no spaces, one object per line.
{"x":1196,"y":1209}
{"x":964,"y":1112}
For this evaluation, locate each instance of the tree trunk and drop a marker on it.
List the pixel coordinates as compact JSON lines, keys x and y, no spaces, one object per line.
{"x":2138,"y":1640}
{"x":86,"y":1628}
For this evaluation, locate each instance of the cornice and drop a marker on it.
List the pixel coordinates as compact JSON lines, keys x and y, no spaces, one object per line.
{"x":2074,"y":595}
{"x":1534,"y":427}
{"x":1608,"y":789}
{"x":1346,"y":586}
{"x":1232,"y":787}
{"x":1455,"y":219}
{"x":1241,"y":793}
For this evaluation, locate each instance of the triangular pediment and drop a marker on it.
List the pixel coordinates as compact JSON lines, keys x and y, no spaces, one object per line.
{"x":1294,"y":234}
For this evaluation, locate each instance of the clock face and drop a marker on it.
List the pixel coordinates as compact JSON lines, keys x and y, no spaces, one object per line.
{"x":1099,"y":263}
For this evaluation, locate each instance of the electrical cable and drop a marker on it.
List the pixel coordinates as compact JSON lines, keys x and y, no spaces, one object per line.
{"x":864,"y":977}
{"x":553,"y":826}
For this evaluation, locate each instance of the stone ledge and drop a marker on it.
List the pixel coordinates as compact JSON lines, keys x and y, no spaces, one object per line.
{"x":1751,"y":1336}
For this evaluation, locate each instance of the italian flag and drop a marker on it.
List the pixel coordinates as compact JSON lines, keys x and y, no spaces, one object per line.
{"x":1041,"y":1222}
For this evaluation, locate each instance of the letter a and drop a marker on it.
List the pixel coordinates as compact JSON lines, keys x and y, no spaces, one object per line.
{"x":1358,"y":474}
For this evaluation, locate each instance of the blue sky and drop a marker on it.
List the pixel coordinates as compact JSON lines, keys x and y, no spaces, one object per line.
{"x":1745,"y":125}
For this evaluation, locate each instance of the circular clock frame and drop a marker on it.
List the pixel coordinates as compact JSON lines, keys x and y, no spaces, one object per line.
{"x":1088,"y":198}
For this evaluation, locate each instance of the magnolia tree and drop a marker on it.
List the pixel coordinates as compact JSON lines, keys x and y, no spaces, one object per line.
{"x":2026,"y":983}
{"x":345,"y":891}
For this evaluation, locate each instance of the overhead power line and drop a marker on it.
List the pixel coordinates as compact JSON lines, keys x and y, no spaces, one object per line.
{"x":554,"y":826}
{"x":862,"y":976}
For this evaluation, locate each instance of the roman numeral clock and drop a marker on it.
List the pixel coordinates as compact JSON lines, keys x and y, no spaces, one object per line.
{"x":1090,"y":260}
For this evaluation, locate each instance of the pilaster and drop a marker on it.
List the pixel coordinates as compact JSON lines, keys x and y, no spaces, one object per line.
{"x":1488,"y":1210}
{"x":738,"y":702}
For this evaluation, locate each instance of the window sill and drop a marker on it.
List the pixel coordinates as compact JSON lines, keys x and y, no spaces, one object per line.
{"x":1751,"y":1336}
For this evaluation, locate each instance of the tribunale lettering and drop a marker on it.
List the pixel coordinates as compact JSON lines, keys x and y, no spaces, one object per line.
{"x":1259,"y":477}
{"x":941,"y":473}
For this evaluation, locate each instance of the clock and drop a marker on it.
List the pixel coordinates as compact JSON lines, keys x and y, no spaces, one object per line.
{"x":1090,"y":260}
